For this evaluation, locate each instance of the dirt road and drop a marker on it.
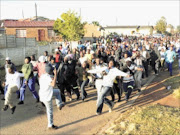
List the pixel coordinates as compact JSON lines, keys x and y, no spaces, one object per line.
{"x":76,"y":117}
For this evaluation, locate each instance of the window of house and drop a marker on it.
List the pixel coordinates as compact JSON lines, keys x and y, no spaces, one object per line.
{"x":51,"y":33}
{"x":20,"y":33}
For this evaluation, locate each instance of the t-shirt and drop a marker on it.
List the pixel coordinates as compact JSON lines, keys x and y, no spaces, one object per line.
{"x":46,"y":90}
{"x":14,"y":79}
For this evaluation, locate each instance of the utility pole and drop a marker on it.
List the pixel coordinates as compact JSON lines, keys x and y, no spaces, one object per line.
{"x":22,"y":14}
{"x":36,"y":10}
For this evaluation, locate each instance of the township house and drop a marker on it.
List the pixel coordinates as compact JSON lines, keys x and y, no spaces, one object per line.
{"x":129,"y":30}
{"x":41,"y":30}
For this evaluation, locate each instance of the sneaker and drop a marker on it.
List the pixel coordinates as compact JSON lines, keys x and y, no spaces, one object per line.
{"x":157,"y":74}
{"x":42,"y":104}
{"x":13,"y":109}
{"x":98,"y":113}
{"x":110,"y":108}
{"x":61,"y":106}
{"x":5,"y":108}
{"x":53,"y":127}
{"x":3,"y":98}
{"x":21,"y":102}
{"x":119,"y":100}
{"x":37,"y":100}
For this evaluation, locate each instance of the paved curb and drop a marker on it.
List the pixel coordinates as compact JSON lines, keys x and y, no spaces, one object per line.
{"x":130,"y":103}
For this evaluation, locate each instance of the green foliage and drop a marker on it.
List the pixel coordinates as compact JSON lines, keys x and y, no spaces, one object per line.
{"x":178,"y":28}
{"x":96,"y":23}
{"x":161,"y":25}
{"x":69,"y":26}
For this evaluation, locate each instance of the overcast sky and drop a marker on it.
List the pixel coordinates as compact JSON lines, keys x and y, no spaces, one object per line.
{"x":106,"y":12}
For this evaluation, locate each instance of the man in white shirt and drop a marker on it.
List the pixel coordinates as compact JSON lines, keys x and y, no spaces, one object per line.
{"x":13,"y":82}
{"x":106,"y":86}
{"x":46,"y":93}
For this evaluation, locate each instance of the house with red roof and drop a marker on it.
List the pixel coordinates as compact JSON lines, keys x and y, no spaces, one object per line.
{"x":41,"y":30}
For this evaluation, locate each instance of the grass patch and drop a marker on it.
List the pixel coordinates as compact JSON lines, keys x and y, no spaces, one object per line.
{"x":155,"y":119}
{"x":176,"y":93}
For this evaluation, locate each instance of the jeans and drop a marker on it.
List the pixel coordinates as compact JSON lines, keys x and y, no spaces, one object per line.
{"x":137,"y":78}
{"x":169,"y":65}
{"x":128,"y":87}
{"x":82,"y":85}
{"x":49,"y":106}
{"x":102,"y":99}
{"x":145,"y":65}
{"x":31,"y":85}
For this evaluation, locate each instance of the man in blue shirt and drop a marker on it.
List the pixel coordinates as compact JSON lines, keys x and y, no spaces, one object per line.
{"x":170,"y":55}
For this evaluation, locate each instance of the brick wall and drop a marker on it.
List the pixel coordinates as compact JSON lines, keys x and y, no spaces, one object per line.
{"x":30,"y":32}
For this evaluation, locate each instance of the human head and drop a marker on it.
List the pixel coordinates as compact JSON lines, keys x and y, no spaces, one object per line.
{"x":8,"y":60}
{"x":27,"y":60}
{"x":84,"y":64}
{"x":97,"y":61}
{"x":33,"y":58}
{"x":111,"y":63}
{"x":46,"y":53}
{"x":125,"y":55}
{"x":10,"y":69}
{"x":42,"y":59}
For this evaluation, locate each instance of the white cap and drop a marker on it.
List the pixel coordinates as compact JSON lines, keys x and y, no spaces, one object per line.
{"x":42,"y":59}
{"x":56,"y":50}
{"x":7,"y":58}
{"x":128,"y":59}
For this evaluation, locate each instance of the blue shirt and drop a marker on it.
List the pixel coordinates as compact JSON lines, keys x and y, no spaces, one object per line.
{"x":169,"y":56}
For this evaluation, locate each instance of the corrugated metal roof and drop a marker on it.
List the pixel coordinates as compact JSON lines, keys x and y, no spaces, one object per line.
{"x":28,"y":24}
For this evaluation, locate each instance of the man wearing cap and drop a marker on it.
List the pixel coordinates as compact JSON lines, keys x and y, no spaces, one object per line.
{"x":13,"y":82}
{"x":46,"y":92}
{"x":40,"y":67}
{"x":8,"y":63}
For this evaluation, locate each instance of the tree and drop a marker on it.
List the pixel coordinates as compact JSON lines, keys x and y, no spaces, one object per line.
{"x":69,"y":26}
{"x":96,"y":23}
{"x":171,"y":28}
{"x":178,"y":28}
{"x":161,"y":25}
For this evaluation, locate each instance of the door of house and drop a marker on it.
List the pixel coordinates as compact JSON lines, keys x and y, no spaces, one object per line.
{"x":41,"y":35}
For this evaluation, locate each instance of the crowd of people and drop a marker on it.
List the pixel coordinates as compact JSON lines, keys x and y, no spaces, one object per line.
{"x":111,"y":65}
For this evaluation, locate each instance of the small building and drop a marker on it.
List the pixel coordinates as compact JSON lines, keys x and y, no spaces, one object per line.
{"x":129,"y":30}
{"x":41,"y":30}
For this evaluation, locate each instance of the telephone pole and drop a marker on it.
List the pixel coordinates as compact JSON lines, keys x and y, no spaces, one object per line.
{"x":36,"y":10}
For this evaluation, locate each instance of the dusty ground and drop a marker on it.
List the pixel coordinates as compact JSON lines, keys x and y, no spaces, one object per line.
{"x":156,"y":92}
{"x":76,"y":117}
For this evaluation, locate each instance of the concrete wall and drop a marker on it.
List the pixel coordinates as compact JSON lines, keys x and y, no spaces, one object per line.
{"x":18,"y":48}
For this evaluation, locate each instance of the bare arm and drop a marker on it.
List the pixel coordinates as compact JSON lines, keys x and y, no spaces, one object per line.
{"x":53,"y":83}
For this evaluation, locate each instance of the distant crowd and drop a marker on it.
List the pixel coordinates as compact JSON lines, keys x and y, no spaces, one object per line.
{"x":111,"y":65}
